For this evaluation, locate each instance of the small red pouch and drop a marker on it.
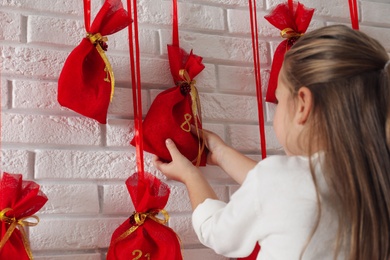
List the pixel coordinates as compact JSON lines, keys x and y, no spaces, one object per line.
{"x":86,"y":82}
{"x":144,"y":235}
{"x":174,"y":110}
{"x":292,"y":20}
{"x":19,"y":200}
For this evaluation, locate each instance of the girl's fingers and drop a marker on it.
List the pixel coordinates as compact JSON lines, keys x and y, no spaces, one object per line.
{"x":172,"y":148}
{"x":157,"y":163}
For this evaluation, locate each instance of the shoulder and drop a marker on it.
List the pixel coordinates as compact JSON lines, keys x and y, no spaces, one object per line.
{"x":283,"y":161}
{"x":285,"y":192}
{"x":284,"y":178}
{"x":281,"y":166}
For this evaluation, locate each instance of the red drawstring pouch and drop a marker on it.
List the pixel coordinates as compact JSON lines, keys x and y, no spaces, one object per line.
{"x":19,"y":200}
{"x":293,"y":21}
{"x":86,"y":83}
{"x":174,"y":110}
{"x":144,"y":235}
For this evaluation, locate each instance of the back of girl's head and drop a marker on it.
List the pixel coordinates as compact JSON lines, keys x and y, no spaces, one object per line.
{"x":348,"y":74}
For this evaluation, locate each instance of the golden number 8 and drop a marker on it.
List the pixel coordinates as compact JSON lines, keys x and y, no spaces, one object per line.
{"x":186,"y":126}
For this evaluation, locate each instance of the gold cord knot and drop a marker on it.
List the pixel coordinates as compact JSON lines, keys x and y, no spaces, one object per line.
{"x":17,"y":223}
{"x":187,"y":84}
{"x":97,"y":38}
{"x":138,"y":219}
{"x":289,"y":33}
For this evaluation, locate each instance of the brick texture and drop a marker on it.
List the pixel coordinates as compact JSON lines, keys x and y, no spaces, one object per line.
{"x":82,"y":165}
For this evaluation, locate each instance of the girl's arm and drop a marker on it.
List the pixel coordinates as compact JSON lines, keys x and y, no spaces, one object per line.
{"x":235,"y":164}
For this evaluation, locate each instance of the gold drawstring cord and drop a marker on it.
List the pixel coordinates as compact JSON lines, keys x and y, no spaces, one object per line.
{"x":98,"y":40}
{"x":20,"y":224}
{"x":140,"y":218}
{"x":196,"y":111}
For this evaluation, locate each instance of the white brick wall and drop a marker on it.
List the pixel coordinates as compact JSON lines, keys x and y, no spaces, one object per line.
{"x":82,"y":165}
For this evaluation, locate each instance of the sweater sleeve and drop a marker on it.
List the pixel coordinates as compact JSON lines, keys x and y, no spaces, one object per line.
{"x":224,"y":226}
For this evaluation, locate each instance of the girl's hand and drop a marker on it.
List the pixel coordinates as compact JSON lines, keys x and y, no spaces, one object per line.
{"x":215,"y":145}
{"x":230,"y":160}
{"x":179,"y":168}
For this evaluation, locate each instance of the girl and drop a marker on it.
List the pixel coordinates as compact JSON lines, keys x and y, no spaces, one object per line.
{"x":329,"y":197}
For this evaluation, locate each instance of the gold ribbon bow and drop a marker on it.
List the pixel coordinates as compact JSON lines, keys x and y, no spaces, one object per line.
{"x":196,"y":111}
{"x":289,"y":33}
{"x":17,"y":223}
{"x":97,"y":39}
{"x":140,"y":218}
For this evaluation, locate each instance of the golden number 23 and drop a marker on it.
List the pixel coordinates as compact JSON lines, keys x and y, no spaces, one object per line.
{"x":138,"y":254}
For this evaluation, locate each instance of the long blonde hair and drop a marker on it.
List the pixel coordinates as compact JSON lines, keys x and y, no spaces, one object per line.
{"x":348,"y":75}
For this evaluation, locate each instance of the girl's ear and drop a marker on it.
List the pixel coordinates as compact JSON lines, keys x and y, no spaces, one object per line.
{"x":304,"y":105}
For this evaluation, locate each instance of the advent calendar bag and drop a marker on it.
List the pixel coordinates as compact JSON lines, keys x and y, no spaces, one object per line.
{"x":19,"y":200}
{"x":292,"y":20}
{"x":144,"y":235}
{"x":86,"y":83}
{"x":176,"y":109}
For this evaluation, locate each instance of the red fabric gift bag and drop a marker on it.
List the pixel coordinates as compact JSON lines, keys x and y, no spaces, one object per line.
{"x":86,"y":83}
{"x":19,"y":200}
{"x":293,"y":21}
{"x":144,"y":235}
{"x":174,"y":110}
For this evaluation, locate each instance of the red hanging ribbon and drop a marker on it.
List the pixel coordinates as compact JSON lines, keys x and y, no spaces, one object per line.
{"x":353,"y":11}
{"x":87,"y":15}
{"x":136,"y":83}
{"x":256,"y":62}
{"x":291,"y":7}
{"x":175,"y":22}
{"x":256,"y":65}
